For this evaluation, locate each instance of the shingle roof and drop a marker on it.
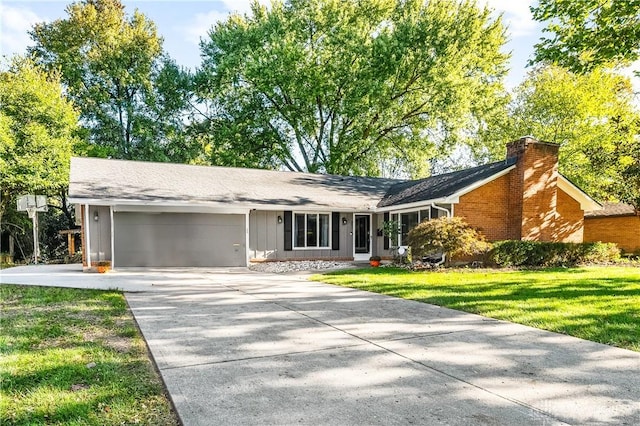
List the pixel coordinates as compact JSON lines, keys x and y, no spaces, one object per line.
{"x":131,"y":182}
{"x":113,"y":181}
{"x":441,"y":186}
{"x":612,"y":209}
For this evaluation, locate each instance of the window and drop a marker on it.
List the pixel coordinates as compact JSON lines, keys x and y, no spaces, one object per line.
{"x":408,"y":221}
{"x":311,"y":230}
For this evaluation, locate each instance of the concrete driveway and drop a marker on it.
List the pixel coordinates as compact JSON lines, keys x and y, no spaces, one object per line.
{"x":237,"y":347}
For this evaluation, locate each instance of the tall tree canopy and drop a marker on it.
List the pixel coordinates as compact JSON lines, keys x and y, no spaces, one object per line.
{"x":344,"y":86}
{"x":589,"y":33}
{"x":130,"y":94}
{"x":38,"y":128}
{"x":594,"y":118}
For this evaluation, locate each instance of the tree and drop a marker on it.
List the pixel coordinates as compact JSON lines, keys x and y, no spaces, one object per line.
{"x":588,"y":33}
{"x":450,"y":235}
{"x":343,"y":86}
{"x":592,"y":116}
{"x":38,"y":127}
{"x":131,"y":95}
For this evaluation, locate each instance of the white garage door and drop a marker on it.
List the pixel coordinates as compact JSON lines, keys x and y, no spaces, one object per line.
{"x":179,"y":239}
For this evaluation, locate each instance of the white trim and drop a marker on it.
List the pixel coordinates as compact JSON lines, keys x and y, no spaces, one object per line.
{"x":362,"y":256}
{"x":451,"y":199}
{"x":87,"y":238}
{"x":113,"y":248}
{"x":409,"y":207}
{"x":212,"y":207}
{"x":586,"y":203}
{"x":456,"y":196}
{"x":246,"y":249}
{"x":119,"y":208}
{"x":293,"y":230}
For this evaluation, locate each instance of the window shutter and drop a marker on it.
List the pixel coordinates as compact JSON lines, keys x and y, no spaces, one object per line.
{"x":288,"y":234}
{"x":335,"y":231}
{"x":386,"y":239}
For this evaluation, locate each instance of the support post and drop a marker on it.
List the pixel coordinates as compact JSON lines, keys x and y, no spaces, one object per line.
{"x":86,"y":235}
{"x":113,"y":239}
{"x":36,"y":244}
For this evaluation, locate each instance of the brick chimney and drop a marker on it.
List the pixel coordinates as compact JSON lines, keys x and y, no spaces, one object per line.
{"x":533,"y":189}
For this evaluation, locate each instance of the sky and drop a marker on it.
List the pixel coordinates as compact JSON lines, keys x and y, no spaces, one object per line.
{"x":183,"y":23}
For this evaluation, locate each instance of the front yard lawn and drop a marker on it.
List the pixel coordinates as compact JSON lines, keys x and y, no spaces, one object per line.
{"x":75,"y":357}
{"x":601,"y":304}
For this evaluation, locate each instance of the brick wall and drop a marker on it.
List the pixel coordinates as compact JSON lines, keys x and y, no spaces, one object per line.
{"x":569,"y":224}
{"x":622,"y":230}
{"x":533,"y":189}
{"x":487,"y":209}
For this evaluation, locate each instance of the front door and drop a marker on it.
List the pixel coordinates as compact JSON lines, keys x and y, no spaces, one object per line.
{"x":361,"y":237}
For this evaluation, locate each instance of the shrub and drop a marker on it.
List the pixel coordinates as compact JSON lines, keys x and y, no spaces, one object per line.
{"x":449,"y":235}
{"x":536,"y":253}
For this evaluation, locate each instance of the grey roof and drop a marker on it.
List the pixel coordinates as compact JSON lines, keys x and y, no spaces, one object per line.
{"x":612,"y":209}
{"x":120,"y":181}
{"x":441,"y":186}
{"x":138,"y":182}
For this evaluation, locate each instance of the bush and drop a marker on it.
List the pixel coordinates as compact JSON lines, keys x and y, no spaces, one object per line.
{"x":450,"y":235}
{"x":535,"y":253}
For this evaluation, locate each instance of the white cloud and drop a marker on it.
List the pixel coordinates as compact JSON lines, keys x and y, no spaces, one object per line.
{"x":15,"y":22}
{"x":203,"y":22}
{"x":517,"y":16}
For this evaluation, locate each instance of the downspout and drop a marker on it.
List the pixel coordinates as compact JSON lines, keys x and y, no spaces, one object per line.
{"x":444,"y":255}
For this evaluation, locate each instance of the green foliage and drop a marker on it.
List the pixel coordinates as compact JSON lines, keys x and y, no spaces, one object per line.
{"x":391,"y":230}
{"x":536,"y":253}
{"x":451,"y":235}
{"x":588,"y":33}
{"x":592,"y":116}
{"x":131,"y":95}
{"x":38,"y":129}
{"x":345,"y":86}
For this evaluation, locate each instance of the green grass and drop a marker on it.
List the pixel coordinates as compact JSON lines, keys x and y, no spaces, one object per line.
{"x":49,"y":338}
{"x":601,"y":304}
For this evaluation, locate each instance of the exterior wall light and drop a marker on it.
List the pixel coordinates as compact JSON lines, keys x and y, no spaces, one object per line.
{"x":279,"y":219}
{"x":95,"y":216}
{"x":344,"y":220}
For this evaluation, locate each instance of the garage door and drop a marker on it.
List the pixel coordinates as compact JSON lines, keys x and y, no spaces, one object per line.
{"x":179,"y":239}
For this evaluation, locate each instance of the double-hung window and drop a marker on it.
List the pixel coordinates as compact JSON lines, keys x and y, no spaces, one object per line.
{"x":311,"y":230}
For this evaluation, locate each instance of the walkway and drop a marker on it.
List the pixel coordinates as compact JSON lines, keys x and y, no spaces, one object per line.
{"x":238,"y":347}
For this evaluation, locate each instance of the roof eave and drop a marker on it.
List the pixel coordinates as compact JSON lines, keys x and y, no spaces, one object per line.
{"x":414,"y":205}
{"x":586,"y":203}
{"x":140,"y":205}
{"x":449,"y":199}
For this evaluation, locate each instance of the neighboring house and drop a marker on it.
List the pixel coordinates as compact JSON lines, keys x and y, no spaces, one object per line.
{"x":615,"y":223}
{"x":159,"y":214}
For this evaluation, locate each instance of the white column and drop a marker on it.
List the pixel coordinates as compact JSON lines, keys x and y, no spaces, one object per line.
{"x":113,"y":249}
{"x":86,"y":234}
{"x":247,"y":254}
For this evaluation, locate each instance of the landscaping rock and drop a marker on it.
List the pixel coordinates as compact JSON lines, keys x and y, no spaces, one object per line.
{"x":299,"y":265}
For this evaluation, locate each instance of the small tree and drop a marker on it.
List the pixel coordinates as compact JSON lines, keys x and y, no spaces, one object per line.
{"x":448,"y":235}
{"x":391,"y":229}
